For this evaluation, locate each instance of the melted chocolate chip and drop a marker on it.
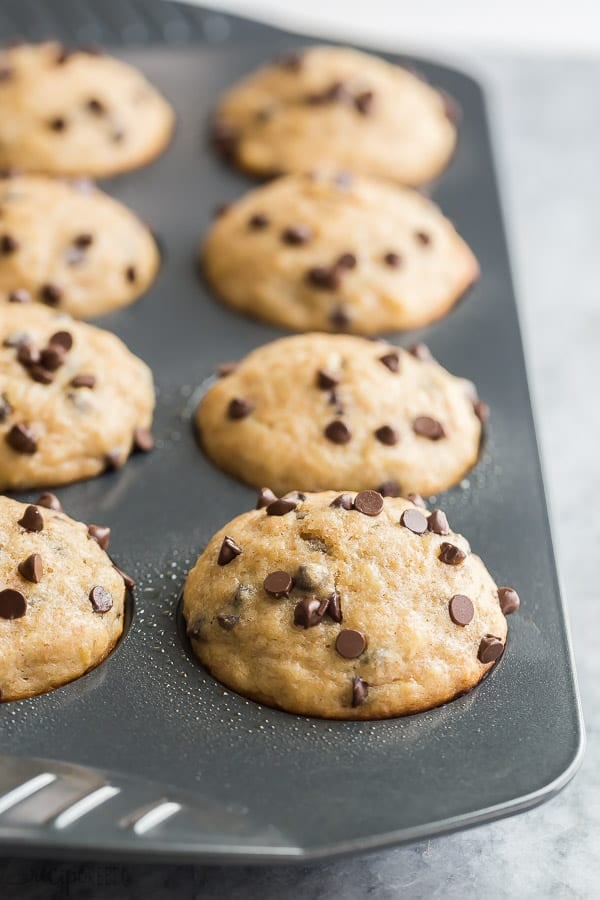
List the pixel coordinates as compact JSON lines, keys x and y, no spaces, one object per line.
{"x":390,"y":489}
{"x":338,"y":432}
{"x":143,"y":440}
{"x":428,"y":428}
{"x":32,"y":519}
{"x":310,"y":611}
{"x":369,"y":503}
{"x":438,"y":523}
{"x":281,"y":507}
{"x":350,"y":643}
{"x":100,"y":534}
{"x":295,"y":235}
{"x":32,"y":568}
{"x":387,"y":435}
{"x":491,"y":649}
{"x":22,"y":439}
{"x":461,"y":609}
{"x":391,"y":361}
{"x":239,"y":408}
{"x":278,"y":584}
{"x":509,"y":600}
{"x":227,"y":622}
{"x":451,"y":554}
{"x":344,"y":501}
{"x":13,"y":604}
{"x":326,"y":380}
{"x":360,"y":691}
{"x":100,"y":599}
{"x":228,"y":552}
{"x":265,"y":497}
{"x":414,"y":520}
{"x":49,"y":501}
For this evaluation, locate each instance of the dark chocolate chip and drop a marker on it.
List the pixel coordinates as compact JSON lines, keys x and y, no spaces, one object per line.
{"x":281,"y":507}
{"x":393,"y":260}
{"x":129,"y":581}
{"x":239,"y":408}
{"x":58,"y":123}
{"x":20,"y":295}
{"x":62,"y":339}
{"x":387,"y":435}
{"x":310,"y":611}
{"x":364,"y":103}
{"x":32,"y":568}
{"x":278,"y":584}
{"x":417,"y":500}
{"x":423,"y":238}
{"x":258,"y":221}
{"x":369,"y":503}
{"x":414,"y":520}
{"x":344,"y":501}
{"x":461,"y":609}
{"x":143,"y":440}
{"x":346,"y":261}
{"x":295,"y":235}
{"x":22,"y":439}
{"x":360,"y":691}
{"x":194,"y":629}
{"x":339,"y":318}
{"x":100,"y":599}
{"x":226,"y":368}
{"x":101,"y":534}
{"x":481,"y":410}
{"x":390,"y":489}
{"x":438,"y":523}
{"x":350,"y":643}
{"x":391,"y":361}
{"x":8,"y":244}
{"x":491,"y":649}
{"x":13,"y":604}
{"x":32,"y":519}
{"x":428,"y":428}
{"x":52,"y":357}
{"x":50,"y":294}
{"x":83,"y":380}
{"x":49,"y":501}
{"x":265,"y":497}
{"x":323,"y":278}
{"x":227,"y":622}
{"x":338,"y":432}
{"x":451,"y":554}
{"x":334,"y":607}
{"x":224,"y":139}
{"x":95,"y":106}
{"x":41,"y":375}
{"x":228,"y":552}
{"x":509,"y":600}
{"x":113,"y":460}
{"x":420,"y":351}
{"x":131,"y":274}
{"x":28,"y":354}
{"x":326,"y":380}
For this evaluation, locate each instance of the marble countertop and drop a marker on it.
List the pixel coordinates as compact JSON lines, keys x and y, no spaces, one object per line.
{"x":548,"y":135}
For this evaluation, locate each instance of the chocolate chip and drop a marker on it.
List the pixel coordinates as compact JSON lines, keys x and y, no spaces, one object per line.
{"x":429,"y":428}
{"x":258,"y":221}
{"x":8,"y":244}
{"x":323,"y":278}
{"x":41,"y":375}
{"x":50,"y":294}
{"x":52,"y":357}
{"x":350,"y":643}
{"x":100,"y":599}
{"x":281,"y":507}
{"x":339,"y":318}
{"x":32,"y":519}
{"x":420,"y":351}
{"x":49,"y":501}
{"x":58,"y":123}
{"x":451,"y":554}
{"x":62,"y":339}
{"x":423,"y":238}
{"x":239,"y":408}
{"x":129,"y":581}
{"x":345,"y":261}
{"x":344,"y":501}
{"x":227,"y":622}
{"x":326,"y":380}
{"x":265,"y":497}
{"x":509,"y":600}
{"x":461,"y":609}
{"x":310,"y":611}
{"x":338,"y":432}
{"x":390,"y":489}
{"x":13,"y":604}
{"x":490,"y":649}
{"x":414,"y":520}
{"x":481,"y":410}
{"x":417,"y":500}
{"x":5,"y":408}
{"x":360,"y":691}
{"x":22,"y":439}
{"x":95,"y":106}
{"x":334,"y":607}
{"x":393,"y":260}
{"x":83,"y":380}
{"x":369,"y":503}
{"x":364,"y":103}
{"x":113,"y":460}
{"x":194,"y":629}
{"x":387,"y":435}
{"x":100,"y":534}
{"x":28,"y":354}
{"x":228,"y":552}
{"x":32,"y":568}
{"x":226,"y":368}
{"x":20,"y":295}
{"x":224,"y":139}
{"x":83,"y":241}
{"x":438,"y":523}
{"x":296,"y":235}
{"x":131,"y":274}
{"x":391,"y":361}
{"x":143,"y":440}
{"x":278,"y":584}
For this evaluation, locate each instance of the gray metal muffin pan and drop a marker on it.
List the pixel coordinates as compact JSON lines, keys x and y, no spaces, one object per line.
{"x":148,"y":756}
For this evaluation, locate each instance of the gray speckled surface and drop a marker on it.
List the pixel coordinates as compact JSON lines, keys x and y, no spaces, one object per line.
{"x":548,"y":135}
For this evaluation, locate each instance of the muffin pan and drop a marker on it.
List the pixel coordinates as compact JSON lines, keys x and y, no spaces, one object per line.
{"x":148,"y":756}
